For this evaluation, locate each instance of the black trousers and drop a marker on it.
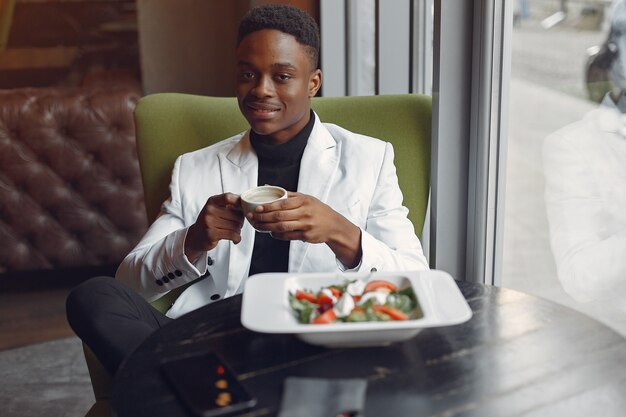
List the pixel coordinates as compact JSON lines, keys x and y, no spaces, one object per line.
{"x":111,"y":319}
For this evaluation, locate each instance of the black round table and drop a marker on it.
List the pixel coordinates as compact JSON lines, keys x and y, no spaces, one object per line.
{"x":518,"y":355}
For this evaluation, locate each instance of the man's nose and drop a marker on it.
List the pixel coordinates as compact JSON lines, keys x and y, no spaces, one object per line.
{"x":264,"y":87}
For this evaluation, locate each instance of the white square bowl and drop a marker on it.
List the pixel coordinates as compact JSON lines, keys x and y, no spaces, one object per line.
{"x":266,"y":309}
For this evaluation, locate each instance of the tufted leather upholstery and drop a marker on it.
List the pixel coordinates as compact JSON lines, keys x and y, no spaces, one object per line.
{"x":70,"y":190}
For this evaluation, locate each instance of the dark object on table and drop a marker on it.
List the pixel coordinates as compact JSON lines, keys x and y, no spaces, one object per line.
{"x":319,"y":397}
{"x":206,"y":386}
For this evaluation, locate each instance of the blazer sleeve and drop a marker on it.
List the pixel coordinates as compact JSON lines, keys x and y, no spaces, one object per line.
{"x":588,"y":250}
{"x":158,"y":263}
{"x":388,"y":239}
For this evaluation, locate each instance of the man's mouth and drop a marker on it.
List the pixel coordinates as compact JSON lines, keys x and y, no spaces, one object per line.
{"x":262,"y":108}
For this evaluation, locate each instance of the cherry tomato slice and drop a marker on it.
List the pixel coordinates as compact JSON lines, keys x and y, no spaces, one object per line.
{"x":393,"y":313}
{"x":304,"y":295}
{"x":379,"y":284}
{"x":323,"y":299}
{"x":328,"y":317}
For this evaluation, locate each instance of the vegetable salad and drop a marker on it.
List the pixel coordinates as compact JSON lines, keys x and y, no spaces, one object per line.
{"x":355,"y":301}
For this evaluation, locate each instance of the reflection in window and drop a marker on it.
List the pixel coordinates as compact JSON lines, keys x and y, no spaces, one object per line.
{"x":565,"y":223}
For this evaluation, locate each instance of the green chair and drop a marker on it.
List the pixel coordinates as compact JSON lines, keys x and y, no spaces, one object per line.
{"x":169,"y":124}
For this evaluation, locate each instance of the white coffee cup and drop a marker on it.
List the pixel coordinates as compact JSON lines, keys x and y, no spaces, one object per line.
{"x":258,"y":196}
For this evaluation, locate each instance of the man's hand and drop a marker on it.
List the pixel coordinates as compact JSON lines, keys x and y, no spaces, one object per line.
{"x":303,"y":217}
{"x":220,"y":219}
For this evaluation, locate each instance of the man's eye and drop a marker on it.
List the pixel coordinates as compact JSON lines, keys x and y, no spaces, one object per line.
{"x":247,"y":75}
{"x":284,"y":77}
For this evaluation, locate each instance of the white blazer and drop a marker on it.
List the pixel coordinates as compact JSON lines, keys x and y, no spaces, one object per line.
{"x":353,"y":174}
{"x":585,"y":194}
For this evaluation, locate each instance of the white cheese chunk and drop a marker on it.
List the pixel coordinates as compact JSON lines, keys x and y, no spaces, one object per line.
{"x":344,"y":306}
{"x":379,"y":297}
{"x":356,"y":287}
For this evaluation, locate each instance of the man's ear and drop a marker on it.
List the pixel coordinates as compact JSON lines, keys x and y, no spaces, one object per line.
{"x":315,"y":82}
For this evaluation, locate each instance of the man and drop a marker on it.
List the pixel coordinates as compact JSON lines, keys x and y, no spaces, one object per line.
{"x":346,"y":214}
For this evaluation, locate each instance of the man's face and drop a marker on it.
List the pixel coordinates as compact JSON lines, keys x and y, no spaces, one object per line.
{"x":275,"y":81}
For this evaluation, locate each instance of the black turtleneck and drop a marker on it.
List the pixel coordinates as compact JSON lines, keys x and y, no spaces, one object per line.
{"x":278,"y":165}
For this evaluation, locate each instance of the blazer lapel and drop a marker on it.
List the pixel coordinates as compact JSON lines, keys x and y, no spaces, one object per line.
{"x":317,"y":169}
{"x":239,"y":172}
{"x":239,"y":167}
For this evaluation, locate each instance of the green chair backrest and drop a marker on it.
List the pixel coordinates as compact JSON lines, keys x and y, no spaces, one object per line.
{"x":169,"y":124}
{"x":404,"y":120}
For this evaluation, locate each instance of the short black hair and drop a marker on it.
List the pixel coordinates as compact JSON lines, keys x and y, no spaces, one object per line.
{"x":287,"y":19}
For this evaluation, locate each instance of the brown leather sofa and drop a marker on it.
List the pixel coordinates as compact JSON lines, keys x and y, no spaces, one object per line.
{"x":71,"y":197}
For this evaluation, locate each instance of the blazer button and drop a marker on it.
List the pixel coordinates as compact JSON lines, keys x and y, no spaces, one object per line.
{"x":171,"y":275}
{"x":215,"y":297}
{"x":165,"y":279}
{"x":178,"y":273}
{"x":209,"y":261}
{"x":159,"y":282}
